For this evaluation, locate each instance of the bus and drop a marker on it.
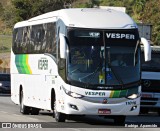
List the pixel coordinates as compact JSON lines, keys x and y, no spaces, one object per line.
{"x":150,"y":99}
{"x":62,"y":61}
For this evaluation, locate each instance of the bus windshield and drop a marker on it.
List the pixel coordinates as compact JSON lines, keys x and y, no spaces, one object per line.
{"x":95,"y":60}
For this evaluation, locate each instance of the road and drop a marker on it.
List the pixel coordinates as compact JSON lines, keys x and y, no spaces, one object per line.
{"x":9,"y":112}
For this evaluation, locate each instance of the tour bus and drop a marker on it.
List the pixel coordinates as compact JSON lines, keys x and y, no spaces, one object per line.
{"x":150,"y":100}
{"x":65,"y":61}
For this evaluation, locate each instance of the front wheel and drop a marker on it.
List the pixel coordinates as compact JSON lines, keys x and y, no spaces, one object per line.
{"x":59,"y":117}
{"x":34,"y":111}
{"x":23,"y":109}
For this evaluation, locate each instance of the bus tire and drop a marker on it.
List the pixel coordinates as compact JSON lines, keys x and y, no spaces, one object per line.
{"x":34,"y":111}
{"x":119,"y":120}
{"x":59,"y":117}
{"x":23,"y":109}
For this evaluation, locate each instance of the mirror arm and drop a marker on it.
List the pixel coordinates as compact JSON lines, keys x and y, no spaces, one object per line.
{"x":147,"y":49}
{"x":62,"y":46}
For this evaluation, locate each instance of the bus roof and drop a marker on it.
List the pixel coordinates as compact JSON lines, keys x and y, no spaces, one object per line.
{"x":85,"y":18}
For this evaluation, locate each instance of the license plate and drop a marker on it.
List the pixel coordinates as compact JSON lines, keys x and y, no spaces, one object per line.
{"x":147,"y":95}
{"x":104,"y":111}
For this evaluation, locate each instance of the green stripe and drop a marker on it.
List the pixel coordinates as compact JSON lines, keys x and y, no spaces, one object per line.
{"x":123,"y":93}
{"x":116,"y":94}
{"x":22,"y":64}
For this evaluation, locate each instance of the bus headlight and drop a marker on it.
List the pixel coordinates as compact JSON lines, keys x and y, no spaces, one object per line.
{"x":133,"y":96}
{"x":72,"y":94}
{"x":1,"y":84}
{"x":75,"y":95}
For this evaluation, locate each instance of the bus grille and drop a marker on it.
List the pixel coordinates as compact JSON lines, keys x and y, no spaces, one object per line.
{"x":150,"y":85}
{"x":149,"y":101}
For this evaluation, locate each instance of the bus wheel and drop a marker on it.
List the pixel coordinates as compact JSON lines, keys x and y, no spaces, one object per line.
{"x":119,"y":120}
{"x":23,"y":109}
{"x":59,"y":117}
{"x":34,"y":111}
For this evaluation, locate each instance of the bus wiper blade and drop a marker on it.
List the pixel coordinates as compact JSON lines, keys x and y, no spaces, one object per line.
{"x":80,"y":79}
{"x":93,"y":73}
{"x":116,"y":75}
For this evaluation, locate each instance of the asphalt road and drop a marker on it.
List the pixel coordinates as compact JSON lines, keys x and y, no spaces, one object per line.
{"x":9,"y":112}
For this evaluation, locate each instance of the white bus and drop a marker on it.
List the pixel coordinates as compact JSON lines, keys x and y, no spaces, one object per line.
{"x":63,"y":61}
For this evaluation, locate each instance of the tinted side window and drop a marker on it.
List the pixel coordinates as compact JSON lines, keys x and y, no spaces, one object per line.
{"x":17,"y":41}
{"x":51,"y":39}
{"x":21,"y":39}
{"x":14,"y":41}
{"x":36,"y":39}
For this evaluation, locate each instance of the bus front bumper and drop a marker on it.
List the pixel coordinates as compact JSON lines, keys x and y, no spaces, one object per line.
{"x":100,"y":106}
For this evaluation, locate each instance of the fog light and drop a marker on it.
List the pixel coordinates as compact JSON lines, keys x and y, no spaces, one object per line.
{"x":73,"y":106}
{"x":133,"y":108}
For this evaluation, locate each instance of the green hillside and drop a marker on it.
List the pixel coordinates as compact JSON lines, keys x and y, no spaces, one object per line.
{"x":142,"y":11}
{"x":5,"y":43}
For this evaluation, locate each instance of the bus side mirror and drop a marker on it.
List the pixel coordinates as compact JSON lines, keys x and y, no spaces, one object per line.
{"x":62,"y":46}
{"x":147,"y":49}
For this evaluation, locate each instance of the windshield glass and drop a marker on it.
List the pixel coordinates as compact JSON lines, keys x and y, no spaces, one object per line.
{"x":152,"y":65}
{"x":96,"y":61}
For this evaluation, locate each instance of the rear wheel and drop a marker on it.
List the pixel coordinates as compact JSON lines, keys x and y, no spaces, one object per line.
{"x":23,"y":109}
{"x":59,"y":117}
{"x":34,"y":111}
{"x":119,"y":120}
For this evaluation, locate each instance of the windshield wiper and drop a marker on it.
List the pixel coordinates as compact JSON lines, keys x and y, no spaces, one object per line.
{"x":93,"y":73}
{"x":115,"y":74}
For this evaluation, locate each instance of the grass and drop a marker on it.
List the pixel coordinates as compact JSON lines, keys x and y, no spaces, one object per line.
{"x":5,"y":43}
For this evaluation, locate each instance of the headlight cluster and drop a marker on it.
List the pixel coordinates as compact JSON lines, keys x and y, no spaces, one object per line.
{"x":134,"y":96}
{"x":72,"y":94}
{"x":1,"y":84}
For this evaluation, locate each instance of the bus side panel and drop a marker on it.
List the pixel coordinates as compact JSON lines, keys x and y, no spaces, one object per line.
{"x":34,"y":90}
{"x":36,"y":76}
{"x":16,"y":80}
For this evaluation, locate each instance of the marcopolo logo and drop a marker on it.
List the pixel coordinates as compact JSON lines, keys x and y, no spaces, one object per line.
{"x":120,"y":36}
{"x":87,"y":93}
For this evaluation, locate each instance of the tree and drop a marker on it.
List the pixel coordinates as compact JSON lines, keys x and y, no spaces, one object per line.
{"x":151,"y":14}
{"x":1,"y":9}
{"x":26,"y":9}
{"x":23,"y":8}
{"x":9,"y":16}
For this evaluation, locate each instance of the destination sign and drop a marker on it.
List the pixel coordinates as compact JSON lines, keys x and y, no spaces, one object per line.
{"x":120,"y":36}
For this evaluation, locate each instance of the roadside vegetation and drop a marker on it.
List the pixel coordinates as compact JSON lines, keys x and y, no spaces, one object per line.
{"x":5,"y":43}
{"x":142,"y":11}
